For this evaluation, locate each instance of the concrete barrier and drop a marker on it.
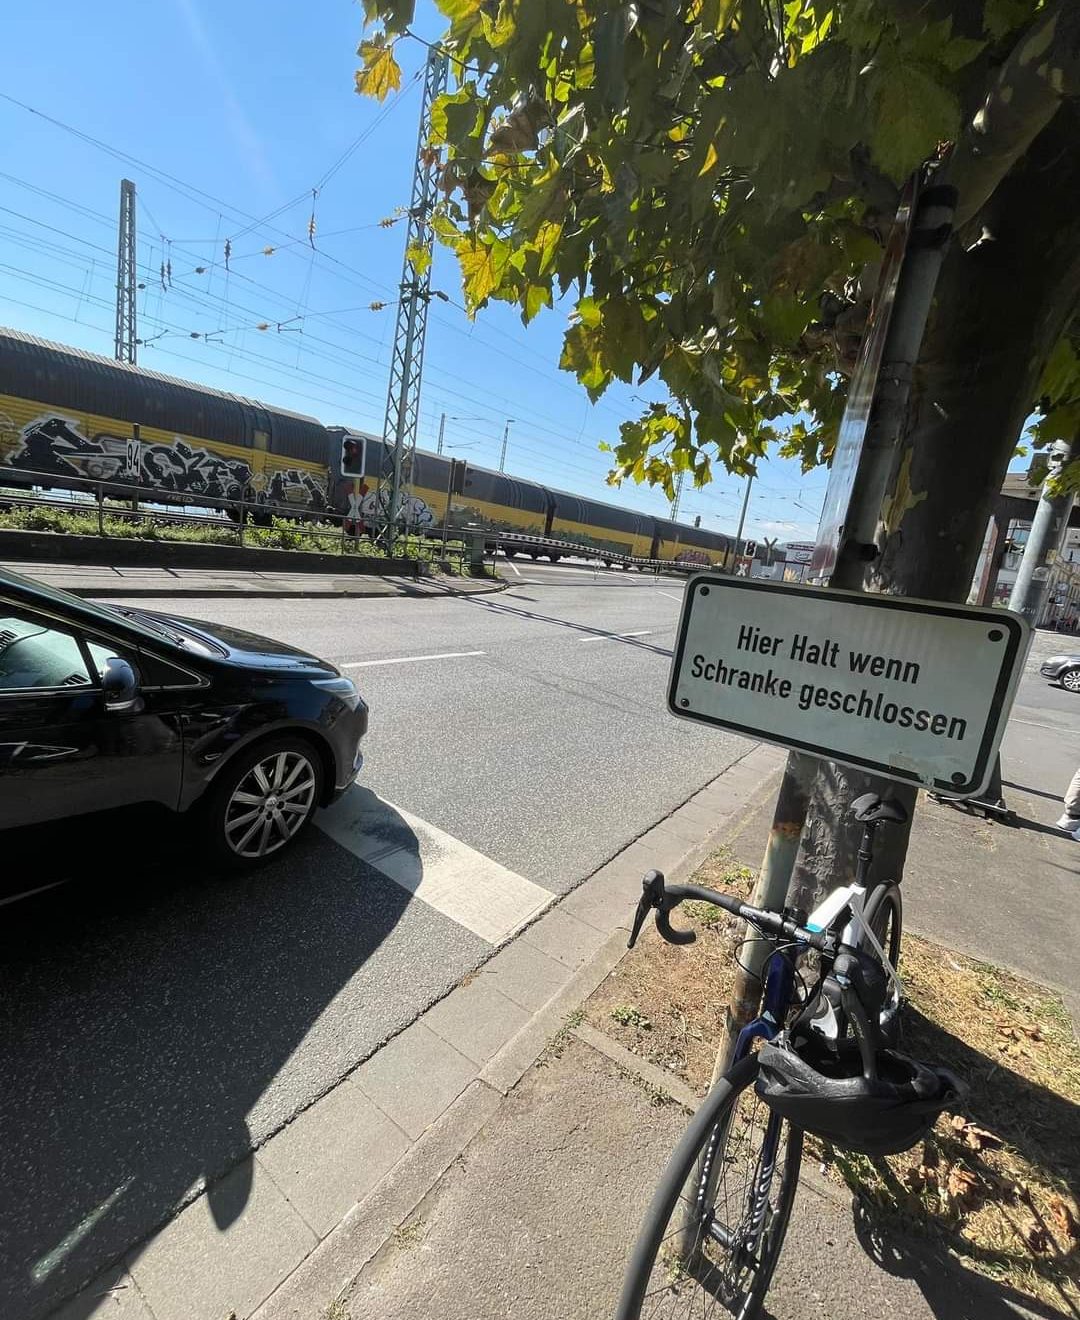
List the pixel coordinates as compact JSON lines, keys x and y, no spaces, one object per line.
{"x":115,"y":552}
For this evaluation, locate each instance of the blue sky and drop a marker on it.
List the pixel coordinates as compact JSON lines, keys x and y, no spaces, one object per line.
{"x":233,"y":112}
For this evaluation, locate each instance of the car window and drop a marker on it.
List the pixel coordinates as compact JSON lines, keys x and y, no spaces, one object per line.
{"x":102,"y":651}
{"x":34,"y":654}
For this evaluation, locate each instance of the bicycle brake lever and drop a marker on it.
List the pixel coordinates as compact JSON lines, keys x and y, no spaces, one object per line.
{"x":652,"y":896}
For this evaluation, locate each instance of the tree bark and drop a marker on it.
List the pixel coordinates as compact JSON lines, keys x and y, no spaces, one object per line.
{"x":1000,"y":308}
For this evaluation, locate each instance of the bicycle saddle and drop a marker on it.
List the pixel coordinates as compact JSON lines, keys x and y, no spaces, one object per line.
{"x":871,"y":809}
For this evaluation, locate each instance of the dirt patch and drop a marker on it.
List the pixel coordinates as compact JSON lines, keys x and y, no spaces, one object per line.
{"x":997,"y":1185}
{"x":666,"y":1004}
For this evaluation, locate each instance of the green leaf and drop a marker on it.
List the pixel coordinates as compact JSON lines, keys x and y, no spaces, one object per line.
{"x":913,"y":113}
{"x":380,"y":73}
{"x":482,"y":269}
{"x":1061,"y":375}
{"x":419,"y":257}
{"x":546,"y":244}
{"x":1000,"y":17}
{"x":456,"y":10}
{"x":455,"y":117}
{"x":536,"y":297}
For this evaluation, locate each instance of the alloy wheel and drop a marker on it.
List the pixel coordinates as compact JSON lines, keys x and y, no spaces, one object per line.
{"x":270,"y":803}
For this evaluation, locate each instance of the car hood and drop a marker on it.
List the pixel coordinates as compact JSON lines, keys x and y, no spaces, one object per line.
{"x":248,"y":649}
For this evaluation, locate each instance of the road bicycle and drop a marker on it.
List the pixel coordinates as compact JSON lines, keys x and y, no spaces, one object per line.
{"x":712,"y":1235}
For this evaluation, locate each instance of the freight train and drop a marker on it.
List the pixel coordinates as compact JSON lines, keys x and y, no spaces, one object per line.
{"x":66,"y":413}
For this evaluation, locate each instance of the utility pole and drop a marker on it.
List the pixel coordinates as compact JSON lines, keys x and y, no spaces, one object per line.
{"x":678,"y":495}
{"x":506,"y":437}
{"x":407,"y":359}
{"x":124,"y":347}
{"x":442,"y":432}
{"x":1046,"y":537}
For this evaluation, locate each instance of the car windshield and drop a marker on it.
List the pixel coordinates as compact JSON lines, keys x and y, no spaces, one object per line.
{"x":105,"y":614}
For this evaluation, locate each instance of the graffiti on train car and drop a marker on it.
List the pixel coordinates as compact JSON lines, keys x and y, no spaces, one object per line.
{"x":55,"y":445}
{"x":415,"y":512}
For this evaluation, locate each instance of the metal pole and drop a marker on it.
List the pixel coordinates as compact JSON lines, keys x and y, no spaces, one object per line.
{"x":449,"y":493}
{"x":1047,"y":536}
{"x":406,"y":365}
{"x":679,"y":480}
{"x":442,"y":431}
{"x":742,"y":520}
{"x":931,"y":231}
{"x":124,"y":343}
{"x":506,"y":437}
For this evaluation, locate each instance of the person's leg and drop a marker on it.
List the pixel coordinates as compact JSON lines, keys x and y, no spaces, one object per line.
{"x":1071,"y":820}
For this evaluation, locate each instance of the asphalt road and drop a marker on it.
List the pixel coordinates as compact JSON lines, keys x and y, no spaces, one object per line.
{"x":157,"y":1022}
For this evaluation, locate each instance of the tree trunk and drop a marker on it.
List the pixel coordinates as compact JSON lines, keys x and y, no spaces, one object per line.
{"x":1000,"y":308}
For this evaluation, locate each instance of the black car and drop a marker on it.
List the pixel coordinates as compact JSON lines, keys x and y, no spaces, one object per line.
{"x":105,"y":707}
{"x":1063,"y":669}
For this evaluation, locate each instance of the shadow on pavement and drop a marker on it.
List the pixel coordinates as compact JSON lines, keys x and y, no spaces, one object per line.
{"x":501,"y":607}
{"x":145,"y":1012}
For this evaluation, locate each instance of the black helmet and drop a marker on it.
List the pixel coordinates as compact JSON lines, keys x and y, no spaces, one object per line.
{"x":829,"y":1096}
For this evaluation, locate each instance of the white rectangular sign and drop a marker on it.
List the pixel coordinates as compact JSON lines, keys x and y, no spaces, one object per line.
{"x":914,"y":690}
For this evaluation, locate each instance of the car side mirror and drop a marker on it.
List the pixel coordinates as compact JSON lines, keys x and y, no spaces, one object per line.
{"x":120,"y":684}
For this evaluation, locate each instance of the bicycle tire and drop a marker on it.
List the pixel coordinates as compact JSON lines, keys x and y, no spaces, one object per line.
{"x":885,"y":902}
{"x":670,"y":1204}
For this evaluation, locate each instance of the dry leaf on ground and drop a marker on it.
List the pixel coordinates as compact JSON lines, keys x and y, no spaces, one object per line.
{"x":1064,"y":1219}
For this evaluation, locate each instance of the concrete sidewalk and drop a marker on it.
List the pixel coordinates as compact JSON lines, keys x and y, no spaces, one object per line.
{"x":131,"y":582}
{"x":495,"y":1158}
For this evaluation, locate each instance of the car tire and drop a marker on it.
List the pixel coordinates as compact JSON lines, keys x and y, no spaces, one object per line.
{"x":261,"y":802}
{"x":1070,"y":679}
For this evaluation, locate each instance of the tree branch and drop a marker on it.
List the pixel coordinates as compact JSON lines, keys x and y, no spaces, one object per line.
{"x":1042,"y":72}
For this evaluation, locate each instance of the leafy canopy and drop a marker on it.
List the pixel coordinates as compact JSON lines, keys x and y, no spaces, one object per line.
{"x":713,"y":181}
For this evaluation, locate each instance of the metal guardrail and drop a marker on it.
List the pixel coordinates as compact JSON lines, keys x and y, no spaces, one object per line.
{"x":137,"y":502}
{"x":242,"y":518}
{"x":548,"y":545}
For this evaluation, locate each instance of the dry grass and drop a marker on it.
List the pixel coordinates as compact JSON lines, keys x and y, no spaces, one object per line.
{"x":996,"y":1186}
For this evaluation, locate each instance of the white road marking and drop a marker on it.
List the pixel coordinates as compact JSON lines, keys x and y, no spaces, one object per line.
{"x":409,"y":659}
{"x":615,"y":637}
{"x":670,"y":596}
{"x":461,"y":883}
{"x":1035,"y":724}
{"x":511,"y":564}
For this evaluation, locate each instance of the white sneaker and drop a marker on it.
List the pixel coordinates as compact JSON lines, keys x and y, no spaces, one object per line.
{"x":1067,"y":823}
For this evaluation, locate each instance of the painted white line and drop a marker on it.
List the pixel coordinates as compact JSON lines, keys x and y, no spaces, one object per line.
{"x":511,"y":564}
{"x":670,"y":595}
{"x":409,"y":659}
{"x":615,"y":637}
{"x":1035,"y":724}
{"x":461,"y":883}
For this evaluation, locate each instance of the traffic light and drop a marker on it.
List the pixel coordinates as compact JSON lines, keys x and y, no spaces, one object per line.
{"x":353,"y":448}
{"x":458,"y":480}
{"x":697,"y":520}
{"x":749,"y":549}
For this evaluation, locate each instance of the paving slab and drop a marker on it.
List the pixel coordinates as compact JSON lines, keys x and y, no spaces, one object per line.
{"x":111,"y":1296}
{"x":476,"y":1019}
{"x":564,"y":938}
{"x":224,"y":1252}
{"x":525,"y":975}
{"x":415,"y":1077}
{"x":332,"y":1154}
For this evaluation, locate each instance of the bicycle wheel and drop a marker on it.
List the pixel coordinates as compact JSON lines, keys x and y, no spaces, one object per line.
{"x":712,"y":1235}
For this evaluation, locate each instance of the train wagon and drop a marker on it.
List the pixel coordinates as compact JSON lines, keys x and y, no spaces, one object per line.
{"x":68,"y":413}
{"x":691,"y":545}
{"x":491,"y":500}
